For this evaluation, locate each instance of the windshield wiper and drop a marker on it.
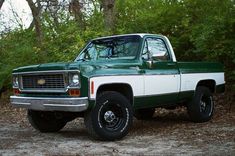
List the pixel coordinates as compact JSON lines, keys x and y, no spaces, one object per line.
{"x":81,"y":59}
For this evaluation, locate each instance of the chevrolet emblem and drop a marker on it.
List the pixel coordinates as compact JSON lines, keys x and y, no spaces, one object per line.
{"x":41,"y":81}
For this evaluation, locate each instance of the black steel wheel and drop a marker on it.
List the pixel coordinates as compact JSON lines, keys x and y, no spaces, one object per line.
{"x":201,"y":107}
{"x":111,"y":117}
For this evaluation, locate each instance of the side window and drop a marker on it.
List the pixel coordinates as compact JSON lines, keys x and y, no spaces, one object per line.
{"x":156,"y":48}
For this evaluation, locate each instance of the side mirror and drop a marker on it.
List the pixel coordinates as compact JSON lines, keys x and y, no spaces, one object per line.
{"x":148,"y":59}
{"x":150,"y":63}
{"x":150,"y":55}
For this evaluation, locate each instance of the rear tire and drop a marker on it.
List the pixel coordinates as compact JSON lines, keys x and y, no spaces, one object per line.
{"x":201,"y":107}
{"x":111,"y":117}
{"x":45,"y":121}
{"x":144,"y":114}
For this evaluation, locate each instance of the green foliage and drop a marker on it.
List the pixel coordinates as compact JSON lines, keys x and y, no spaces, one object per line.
{"x":17,"y":49}
{"x":198,"y":30}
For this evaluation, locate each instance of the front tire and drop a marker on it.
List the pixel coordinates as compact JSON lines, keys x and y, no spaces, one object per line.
{"x":201,"y":107}
{"x":111,"y":117}
{"x":45,"y":121}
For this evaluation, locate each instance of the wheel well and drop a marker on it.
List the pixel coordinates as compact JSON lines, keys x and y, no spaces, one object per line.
{"x":208,"y":83}
{"x":124,"y":89}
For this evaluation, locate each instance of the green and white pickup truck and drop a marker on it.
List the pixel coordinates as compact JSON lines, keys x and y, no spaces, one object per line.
{"x":113,"y":79}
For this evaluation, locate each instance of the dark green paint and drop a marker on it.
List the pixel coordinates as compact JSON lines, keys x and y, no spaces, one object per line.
{"x":84,"y":86}
{"x":154,"y":100}
{"x":200,"y":67}
{"x":162,"y":99}
{"x":186,"y":95}
{"x":161,"y":68}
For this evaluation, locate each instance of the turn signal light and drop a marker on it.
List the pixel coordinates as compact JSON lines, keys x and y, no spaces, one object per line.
{"x":16,"y":91}
{"x":74,"y":92}
{"x":92,"y":87}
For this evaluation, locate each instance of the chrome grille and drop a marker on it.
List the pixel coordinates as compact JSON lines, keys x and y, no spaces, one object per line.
{"x":41,"y":81}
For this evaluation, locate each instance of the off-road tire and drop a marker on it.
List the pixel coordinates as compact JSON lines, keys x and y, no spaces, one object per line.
{"x":201,"y":108}
{"x":144,"y":114}
{"x":45,"y":121}
{"x":96,"y":118}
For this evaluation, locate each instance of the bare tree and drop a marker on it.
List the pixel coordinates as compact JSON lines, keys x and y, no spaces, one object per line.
{"x":52,"y":7}
{"x":108,"y":7}
{"x":17,"y":19}
{"x":11,"y":23}
{"x":36,"y":9}
{"x":1,"y":2}
{"x":75,"y":7}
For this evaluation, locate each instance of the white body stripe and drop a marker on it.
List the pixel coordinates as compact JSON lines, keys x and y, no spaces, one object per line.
{"x":143,"y":85}
{"x":135,"y":81}
{"x":161,"y":84}
{"x":189,"y":81}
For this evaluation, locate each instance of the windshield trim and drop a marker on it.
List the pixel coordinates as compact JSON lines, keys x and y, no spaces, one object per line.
{"x":84,"y":47}
{"x":113,"y":37}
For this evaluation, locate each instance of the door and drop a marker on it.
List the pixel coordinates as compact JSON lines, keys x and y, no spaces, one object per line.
{"x":162,"y":77}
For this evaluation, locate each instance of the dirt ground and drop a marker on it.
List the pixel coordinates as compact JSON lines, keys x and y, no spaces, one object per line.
{"x":168,"y":133}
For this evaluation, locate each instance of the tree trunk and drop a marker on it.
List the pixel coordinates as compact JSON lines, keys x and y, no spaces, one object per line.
{"x":1,"y":2}
{"x":31,"y":26}
{"x":36,"y":18}
{"x":109,"y":14}
{"x":75,"y":7}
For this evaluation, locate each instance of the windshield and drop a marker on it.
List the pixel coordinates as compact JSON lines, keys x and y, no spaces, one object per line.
{"x":111,"y":48}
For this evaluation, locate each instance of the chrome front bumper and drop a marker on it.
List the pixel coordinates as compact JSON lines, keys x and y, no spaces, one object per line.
{"x":51,"y":104}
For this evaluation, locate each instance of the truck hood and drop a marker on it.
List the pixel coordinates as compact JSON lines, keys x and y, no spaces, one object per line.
{"x":87,"y":68}
{"x":43,"y":67}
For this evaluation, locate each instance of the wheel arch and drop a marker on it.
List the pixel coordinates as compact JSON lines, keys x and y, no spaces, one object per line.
{"x":123,"y":88}
{"x":209,"y":83}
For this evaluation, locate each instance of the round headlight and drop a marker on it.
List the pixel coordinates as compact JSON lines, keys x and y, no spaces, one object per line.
{"x":75,"y":79}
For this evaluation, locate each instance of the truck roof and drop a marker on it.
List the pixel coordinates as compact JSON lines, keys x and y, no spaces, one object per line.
{"x":136,"y":34}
